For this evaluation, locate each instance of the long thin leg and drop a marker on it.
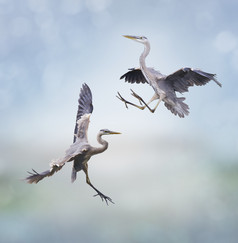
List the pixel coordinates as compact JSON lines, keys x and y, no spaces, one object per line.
{"x":160,"y":99}
{"x":155,"y":97}
{"x":103,"y":197}
{"x":146,"y":105}
{"x":128,"y":103}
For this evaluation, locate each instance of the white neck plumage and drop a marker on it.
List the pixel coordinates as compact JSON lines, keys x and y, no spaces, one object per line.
{"x":103,"y":142}
{"x":144,"y":55}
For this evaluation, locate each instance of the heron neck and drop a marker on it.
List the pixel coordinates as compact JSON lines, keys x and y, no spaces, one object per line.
{"x":144,"y":55}
{"x":103,"y":143}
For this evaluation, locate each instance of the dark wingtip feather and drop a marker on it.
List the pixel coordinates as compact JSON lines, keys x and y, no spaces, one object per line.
{"x":122,"y":76}
{"x":214,"y":78}
{"x":85,"y":105}
{"x":134,"y":75}
{"x":85,"y":100}
{"x":35,"y":177}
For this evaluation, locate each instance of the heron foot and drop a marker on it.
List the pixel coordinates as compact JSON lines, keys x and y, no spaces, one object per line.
{"x":143,"y":103}
{"x":129,"y":103}
{"x":139,"y":98}
{"x":123,"y":100}
{"x":103,"y":197}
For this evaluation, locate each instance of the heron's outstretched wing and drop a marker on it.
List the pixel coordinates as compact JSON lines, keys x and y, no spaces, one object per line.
{"x":75,"y":152}
{"x":35,"y":177}
{"x":55,"y":166}
{"x":182,"y":79}
{"x":135,"y":75}
{"x":85,"y":108}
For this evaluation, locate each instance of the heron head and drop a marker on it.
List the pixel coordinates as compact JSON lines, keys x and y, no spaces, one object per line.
{"x":108,"y":132}
{"x":141,"y":39}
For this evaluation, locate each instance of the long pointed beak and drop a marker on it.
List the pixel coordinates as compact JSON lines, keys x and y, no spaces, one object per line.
{"x":111,"y":132}
{"x":132,"y":37}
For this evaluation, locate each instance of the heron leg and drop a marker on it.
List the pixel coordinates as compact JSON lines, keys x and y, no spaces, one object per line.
{"x":160,"y":99}
{"x":127,"y":102}
{"x":155,"y":97}
{"x":103,"y":197}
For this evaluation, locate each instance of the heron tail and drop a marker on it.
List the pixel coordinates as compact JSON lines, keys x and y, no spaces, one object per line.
{"x":180,"y":108}
{"x":73,"y":175}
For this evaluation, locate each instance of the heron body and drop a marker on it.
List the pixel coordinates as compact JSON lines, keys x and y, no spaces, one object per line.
{"x":80,"y":151}
{"x":165,"y":86}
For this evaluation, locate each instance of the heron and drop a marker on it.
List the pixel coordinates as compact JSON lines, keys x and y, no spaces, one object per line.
{"x":80,"y":151}
{"x":165,"y":86}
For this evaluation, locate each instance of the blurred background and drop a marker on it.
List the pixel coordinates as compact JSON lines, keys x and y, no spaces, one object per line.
{"x":172,"y":179}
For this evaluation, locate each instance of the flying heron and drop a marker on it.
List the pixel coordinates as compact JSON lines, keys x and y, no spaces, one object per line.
{"x":165,"y":86}
{"x":80,"y":151}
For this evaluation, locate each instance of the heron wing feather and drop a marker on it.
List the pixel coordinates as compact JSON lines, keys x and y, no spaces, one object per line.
{"x":184,"y":78}
{"x":135,"y":75}
{"x":85,"y":108}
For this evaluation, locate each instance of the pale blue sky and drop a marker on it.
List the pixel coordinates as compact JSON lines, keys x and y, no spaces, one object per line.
{"x":162,"y":171}
{"x":49,"y":48}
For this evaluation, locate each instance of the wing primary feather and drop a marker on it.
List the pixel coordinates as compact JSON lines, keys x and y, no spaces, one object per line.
{"x":184,"y":78}
{"x":85,"y":105}
{"x":35,"y":177}
{"x":134,"y":75}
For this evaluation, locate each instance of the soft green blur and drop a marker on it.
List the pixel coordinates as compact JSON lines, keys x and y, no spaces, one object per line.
{"x":172,"y":180}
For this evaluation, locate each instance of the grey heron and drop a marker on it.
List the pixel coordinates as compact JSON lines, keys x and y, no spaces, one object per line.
{"x":80,"y":151}
{"x":165,"y":86}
